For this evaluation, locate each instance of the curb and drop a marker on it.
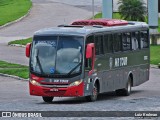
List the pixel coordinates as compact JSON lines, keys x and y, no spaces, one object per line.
{"x":154,"y":66}
{"x":19,"y":19}
{"x":18,"y":45}
{"x":12,"y":76}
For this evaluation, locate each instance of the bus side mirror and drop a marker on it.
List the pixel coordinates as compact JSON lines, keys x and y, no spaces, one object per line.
{"x":28,"y":47}
{"x":89,"y":50}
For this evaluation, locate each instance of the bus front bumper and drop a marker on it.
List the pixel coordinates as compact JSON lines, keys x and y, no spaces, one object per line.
{"x":71,"y":91}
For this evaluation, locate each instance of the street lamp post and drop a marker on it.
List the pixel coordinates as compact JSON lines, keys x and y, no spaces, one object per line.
{"x":107,"y":9}
{"x":153,"y":15}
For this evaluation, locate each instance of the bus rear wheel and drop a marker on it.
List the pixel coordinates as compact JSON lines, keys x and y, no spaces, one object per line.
{"x":94,"y":95}
{"x":48,"y":99}
{"x":127,"y":90}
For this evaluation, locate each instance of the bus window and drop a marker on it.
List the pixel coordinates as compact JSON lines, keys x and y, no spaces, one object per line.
{"x":117,"y":46}
{"x":126,"y":41}
{"x":107,"y":42}
{"x":90,"y":39}
{"x":144,"y":39}
{"x":135,"y":41}
{"x":99,"y":44}
{"x":88,"y":64}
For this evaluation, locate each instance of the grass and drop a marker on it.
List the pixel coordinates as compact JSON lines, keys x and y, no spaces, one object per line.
{"x":14,"y":69}
{"x":11,"y":10}
{"x":116,"y":15}
{"x":159,"y":25}
{"x":22,"y":73}
{"x":21,"y":42}
{"x":4,"y":64}
{"x":155,"y":56}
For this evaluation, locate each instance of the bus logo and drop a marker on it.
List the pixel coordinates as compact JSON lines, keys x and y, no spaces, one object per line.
{"x":120,"y":62}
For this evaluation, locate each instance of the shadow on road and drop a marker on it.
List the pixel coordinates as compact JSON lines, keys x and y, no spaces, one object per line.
{"x":101,"y":97}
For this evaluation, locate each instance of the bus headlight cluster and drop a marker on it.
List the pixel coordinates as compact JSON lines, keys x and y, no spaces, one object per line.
{"x":76,"y":83}
{"x":33,"y":82}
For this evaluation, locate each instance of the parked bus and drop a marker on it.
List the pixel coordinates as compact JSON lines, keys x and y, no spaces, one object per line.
{"x":87,"y":58}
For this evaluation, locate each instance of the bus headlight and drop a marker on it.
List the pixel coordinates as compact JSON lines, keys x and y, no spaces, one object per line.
{"x":33,"y":82}
{"x":76,"y":83}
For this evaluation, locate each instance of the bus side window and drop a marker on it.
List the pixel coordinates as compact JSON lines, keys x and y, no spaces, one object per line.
{"x":108,"y":43}
{"x":126,"y":41}
{"x":117,"y":42}
{"x":135,"y":41}
{"x":144,"y":39}
{"x":99,"y":44}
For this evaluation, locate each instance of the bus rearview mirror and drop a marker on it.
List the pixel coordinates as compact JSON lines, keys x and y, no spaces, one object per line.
{"x":89,"y":50}
{"x":28,"y":47}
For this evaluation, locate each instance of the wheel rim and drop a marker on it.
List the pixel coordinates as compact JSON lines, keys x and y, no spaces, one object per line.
{"x":95,"y":92}
{"x":129,"y":87}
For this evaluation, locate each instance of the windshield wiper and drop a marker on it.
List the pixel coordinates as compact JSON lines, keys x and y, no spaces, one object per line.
{"x":39,"y":63}
{"x":74,"y":68}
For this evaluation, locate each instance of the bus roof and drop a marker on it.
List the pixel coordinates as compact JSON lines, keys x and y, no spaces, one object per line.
{"x":81,"y":30}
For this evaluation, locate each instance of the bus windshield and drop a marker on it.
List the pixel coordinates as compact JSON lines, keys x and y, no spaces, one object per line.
{"x":56,"y":55}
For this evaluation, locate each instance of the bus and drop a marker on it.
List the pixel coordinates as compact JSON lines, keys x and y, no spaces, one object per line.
{"x":88,"y":57}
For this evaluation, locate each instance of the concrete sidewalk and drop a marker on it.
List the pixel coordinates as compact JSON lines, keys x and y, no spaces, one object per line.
{"x":44,"y":14}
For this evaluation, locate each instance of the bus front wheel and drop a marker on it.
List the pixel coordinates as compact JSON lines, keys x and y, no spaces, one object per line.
{"x":47,"y":99}
{"x":127,"y":90}
{"x":94,"y":95}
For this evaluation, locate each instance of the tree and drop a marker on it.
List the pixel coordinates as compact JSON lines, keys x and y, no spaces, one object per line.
{"x":134,"y":10}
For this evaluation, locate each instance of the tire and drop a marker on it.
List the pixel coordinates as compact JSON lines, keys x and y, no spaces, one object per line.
{"x":47,"y":99}
{"x":127,"y":90}
{"x":94,"y":95}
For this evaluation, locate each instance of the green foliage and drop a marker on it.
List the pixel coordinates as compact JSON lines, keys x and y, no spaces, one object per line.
{"x":21,"y":42}
{"x":14,"y":69}
{"x":11,"y":10}
{"x":4,"y":64}
{"x":134,"y":10}
{"x":22,"y":73}
{"x":159,"y":25}
{"x":155,"y":56}
{"x":116,"y":15}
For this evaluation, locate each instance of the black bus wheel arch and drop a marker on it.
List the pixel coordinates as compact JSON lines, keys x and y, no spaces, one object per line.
{"x":127,"y":90}
{"x":95,"y":91}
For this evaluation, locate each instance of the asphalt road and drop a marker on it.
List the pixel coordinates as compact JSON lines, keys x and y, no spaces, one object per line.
{"x":14,"y":96}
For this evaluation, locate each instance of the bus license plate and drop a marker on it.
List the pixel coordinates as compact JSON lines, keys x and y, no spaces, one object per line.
{"x":54,"y":89}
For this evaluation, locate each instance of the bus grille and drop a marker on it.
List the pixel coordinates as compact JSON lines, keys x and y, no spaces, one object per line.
{"x":55,"y":86}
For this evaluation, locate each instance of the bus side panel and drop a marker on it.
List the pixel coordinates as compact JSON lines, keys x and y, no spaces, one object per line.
{"x":142,"y":67}
{"x":104,"y":73}
{"x":115,"y":75}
